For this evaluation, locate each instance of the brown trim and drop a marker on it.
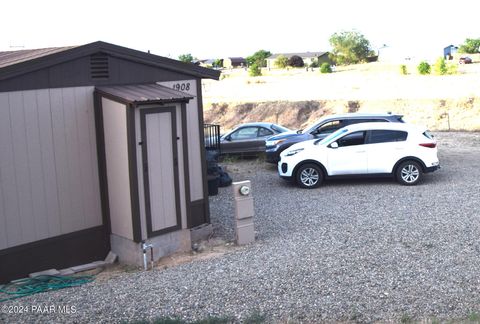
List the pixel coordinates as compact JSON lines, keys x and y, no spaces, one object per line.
{"x":148,"y":215}
{"x":133,"y":174}
{"x":202,"y":149}
{"x":186,"y":168}
{"x":58,"y":252}
{"x":102,"y":162}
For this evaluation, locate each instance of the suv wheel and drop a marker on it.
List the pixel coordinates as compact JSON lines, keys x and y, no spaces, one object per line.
{"x":409,"y":173}
{"x":309,"y":176}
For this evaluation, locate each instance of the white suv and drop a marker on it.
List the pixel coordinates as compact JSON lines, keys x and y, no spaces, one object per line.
{"x":402,"y":150}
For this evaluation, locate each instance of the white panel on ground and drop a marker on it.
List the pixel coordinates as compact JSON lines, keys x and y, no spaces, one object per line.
{"x":161,"y":175}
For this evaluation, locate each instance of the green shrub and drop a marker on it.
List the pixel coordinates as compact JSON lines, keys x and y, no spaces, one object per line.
{"x":440,"y":66}
{"x":254,"y":70}
{"x":424,"y":68}
{"x":325,"y":68}
{"x":403,"y":69}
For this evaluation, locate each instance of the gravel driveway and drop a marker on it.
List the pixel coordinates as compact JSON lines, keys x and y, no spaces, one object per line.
{"x":350,"y":251}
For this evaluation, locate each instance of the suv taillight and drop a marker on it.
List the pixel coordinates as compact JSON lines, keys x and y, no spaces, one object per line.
{"x":429,"y":145}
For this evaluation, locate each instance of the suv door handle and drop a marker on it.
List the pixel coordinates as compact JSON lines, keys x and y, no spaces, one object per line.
{"x":360,"y":151}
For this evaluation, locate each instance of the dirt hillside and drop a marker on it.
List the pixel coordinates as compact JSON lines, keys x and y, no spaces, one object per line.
{"x":296,"y":98}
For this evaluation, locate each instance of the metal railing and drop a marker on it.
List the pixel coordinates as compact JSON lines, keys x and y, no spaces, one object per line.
{"x":212,"y":137}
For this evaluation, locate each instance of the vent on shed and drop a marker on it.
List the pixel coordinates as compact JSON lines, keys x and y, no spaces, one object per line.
{"x":99,"y":66}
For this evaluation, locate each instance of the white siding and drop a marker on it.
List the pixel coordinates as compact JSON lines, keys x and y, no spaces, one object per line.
{"x":48,"y":164}
{"x":116,"y":153}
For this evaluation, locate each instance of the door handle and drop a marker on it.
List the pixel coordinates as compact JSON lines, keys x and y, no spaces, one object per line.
{"x":359,"y":151}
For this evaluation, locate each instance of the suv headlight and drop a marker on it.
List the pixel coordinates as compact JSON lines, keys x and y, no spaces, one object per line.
{"x":293,"y":152}
{"x":274,"y":143}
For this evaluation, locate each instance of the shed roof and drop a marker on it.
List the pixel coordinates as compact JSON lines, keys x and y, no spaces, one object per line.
{"x":304,"y":54}
{"x":144,"y":93}
{"x":8,"y":58}
{"x":14,"y":63}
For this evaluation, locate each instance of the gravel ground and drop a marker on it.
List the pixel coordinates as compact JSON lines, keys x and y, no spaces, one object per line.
{"x":350,"y":251}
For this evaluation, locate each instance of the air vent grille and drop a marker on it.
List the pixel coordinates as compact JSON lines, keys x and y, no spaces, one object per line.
{"x":99,"y":66}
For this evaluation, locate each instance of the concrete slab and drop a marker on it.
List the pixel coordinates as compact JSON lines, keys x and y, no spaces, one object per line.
{"x":84,"y":267}
{"x":100,"y":263}
{"x":201,"y":233}
{"x":49,"y":272}
{"x":111,"y":258}
{"x":66,"y":272}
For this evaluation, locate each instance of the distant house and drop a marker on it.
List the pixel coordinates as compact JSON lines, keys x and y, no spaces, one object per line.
{"x":449,"y":51}
{"x":233,"y":62}
{"x":308,"y":58}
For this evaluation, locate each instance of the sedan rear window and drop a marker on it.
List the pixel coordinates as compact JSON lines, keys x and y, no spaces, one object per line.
{"x":385,"y":136}
{"x":279,"y":129}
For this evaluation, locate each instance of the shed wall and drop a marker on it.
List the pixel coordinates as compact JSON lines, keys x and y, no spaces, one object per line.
{"x":195,"y":144}
{"x":48,"y":164}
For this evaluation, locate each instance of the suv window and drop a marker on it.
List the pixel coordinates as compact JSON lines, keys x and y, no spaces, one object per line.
{"x":385,"y":136}
{"x":329,"y":127}
{"x":357,"y":138}
{"x":262,"y":131}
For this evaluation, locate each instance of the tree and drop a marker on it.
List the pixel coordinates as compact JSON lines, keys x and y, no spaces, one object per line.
{"x":403,"y":69}
{"x":295,"y":61}
{"x":470,"y":46}
{"x":188,"y":58}
{"x":218,"y":63}
{"x":281,"y":62}
{"x":440,"y":66}
{"x":349,"y":47}
{"x":259,"y":57}
{"x":424,"y":68}
{"x":254,"y":70}
{"x":325,"y":68}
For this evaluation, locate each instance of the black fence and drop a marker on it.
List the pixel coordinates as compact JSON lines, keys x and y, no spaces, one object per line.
{"x":212,"y":137}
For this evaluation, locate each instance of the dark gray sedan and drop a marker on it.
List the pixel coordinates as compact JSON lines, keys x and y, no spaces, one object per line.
{"x":249,"y":138}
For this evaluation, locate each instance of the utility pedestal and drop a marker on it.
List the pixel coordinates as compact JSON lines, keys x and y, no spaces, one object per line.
{"x":244,"y":212}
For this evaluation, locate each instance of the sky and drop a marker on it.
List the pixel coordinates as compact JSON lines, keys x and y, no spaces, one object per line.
{"x":217,"y":29}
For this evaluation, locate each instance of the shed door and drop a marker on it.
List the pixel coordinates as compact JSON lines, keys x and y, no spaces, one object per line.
{"x":160,"y":167}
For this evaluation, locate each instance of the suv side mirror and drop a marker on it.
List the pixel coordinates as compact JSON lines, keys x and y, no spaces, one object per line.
{"x":228,"y":138}
{"x":334,"y":145}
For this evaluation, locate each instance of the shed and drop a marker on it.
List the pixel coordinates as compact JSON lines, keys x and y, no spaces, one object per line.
{"x":101,"y":149}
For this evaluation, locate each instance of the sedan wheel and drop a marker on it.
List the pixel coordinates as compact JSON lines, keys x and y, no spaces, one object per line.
{"x":309,"y":176}
{"x":409,"y":173}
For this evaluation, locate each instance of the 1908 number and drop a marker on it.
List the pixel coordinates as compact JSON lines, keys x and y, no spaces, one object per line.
{"x":181,"y":86}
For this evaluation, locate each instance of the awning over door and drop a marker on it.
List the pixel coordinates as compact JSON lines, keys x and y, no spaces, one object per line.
{"x":144,"y":93}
